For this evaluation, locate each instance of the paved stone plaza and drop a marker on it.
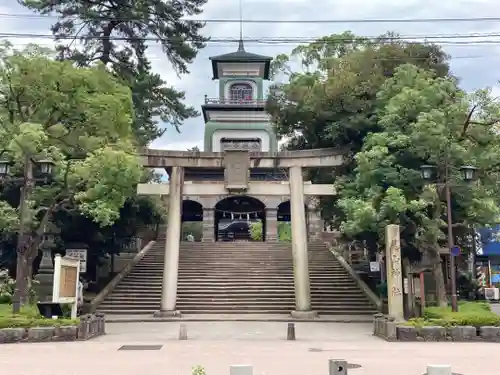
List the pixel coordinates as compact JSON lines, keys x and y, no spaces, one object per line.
{"x":216,"y":345}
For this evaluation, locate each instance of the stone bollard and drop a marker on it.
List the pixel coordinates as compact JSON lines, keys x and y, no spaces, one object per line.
{"x":240,"y":370}
{"x":183,"y":334}
{"x":337,"y":367}
{"x":438,"y":370}
{"x":290,"y":332}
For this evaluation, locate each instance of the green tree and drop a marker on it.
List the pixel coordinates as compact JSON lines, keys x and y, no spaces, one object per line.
{"x":256,"y":231}
{"x":331,"y":98}
{"x":116,"y":33}
{"x":81,"y":120}
{"x":137,"y":214}
{"x":425,"y":119}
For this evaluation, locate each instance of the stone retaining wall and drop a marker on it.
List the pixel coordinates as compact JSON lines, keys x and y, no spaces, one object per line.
{"x":386,"y":328}
{"x":91,"y":325}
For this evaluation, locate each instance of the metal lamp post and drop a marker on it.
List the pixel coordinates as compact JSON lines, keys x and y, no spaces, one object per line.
{"x":45,"y":171}
{"x":468,"y":174}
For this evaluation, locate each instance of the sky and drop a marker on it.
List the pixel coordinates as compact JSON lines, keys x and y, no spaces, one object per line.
{"x":475,"y":64}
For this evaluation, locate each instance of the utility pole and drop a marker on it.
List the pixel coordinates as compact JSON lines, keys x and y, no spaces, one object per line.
{"x":23,"y":239}
{"x":469,"y":174}
{"x":453,"y":271}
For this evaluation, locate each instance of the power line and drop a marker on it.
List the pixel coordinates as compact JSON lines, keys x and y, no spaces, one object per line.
{"x":216,"y":45}
{"x":282,"y":40}
{"x":223,"y":20}
{"x":259,"y":44}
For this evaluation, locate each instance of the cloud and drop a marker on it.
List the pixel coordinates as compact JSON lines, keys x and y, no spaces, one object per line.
{"x":164,"y":144}
{"x":474,"y":64}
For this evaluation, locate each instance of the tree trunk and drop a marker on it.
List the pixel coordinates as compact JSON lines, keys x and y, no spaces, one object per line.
{"x":437,"y":271}
{"x":29,"y":273}
{"x":22,"y":281}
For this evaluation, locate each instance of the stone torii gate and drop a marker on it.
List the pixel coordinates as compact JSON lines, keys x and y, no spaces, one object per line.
{"x":236,"y":165}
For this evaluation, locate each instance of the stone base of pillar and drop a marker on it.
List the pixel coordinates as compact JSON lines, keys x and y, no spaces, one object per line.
{"x":208,"y":240}
{"x":167,"y":314}
{"x":304,"y":314}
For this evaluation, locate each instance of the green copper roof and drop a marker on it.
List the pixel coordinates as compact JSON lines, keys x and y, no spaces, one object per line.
{"x":240,"y":56}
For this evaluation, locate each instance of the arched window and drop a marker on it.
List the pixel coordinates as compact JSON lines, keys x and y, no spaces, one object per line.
{"x":240,"y":92}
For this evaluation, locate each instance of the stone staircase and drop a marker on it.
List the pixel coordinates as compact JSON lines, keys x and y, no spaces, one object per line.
{"x":238,"y":278}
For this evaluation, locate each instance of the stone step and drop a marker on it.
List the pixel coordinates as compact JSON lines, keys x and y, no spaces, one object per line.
{"x":217,"y":273}
{"x":233,"y":281}
{"x":274,"y":309}
{"x":247,"y":254}
{"x":232,"y":287}
{"x":125,"y":311}
{"x":238,"y":305}
{"x":239,"y":288}
{"x":254,"y":299}
{"x":243,"y":275}
{"x":241,"y":257}
{"x":238,"y":293}
{"x":267,"y":270}
{"x":241,"y":278}
{"x":261,"y":266}
{"x":245,"y":306}
{"x":235,"y":263}
{"x":233,"y":260}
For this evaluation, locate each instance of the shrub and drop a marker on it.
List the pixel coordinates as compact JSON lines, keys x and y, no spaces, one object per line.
{"x":8,"y":286}
{"x":284,"y":231}
{"x":198,"y":370}
{"x":29,"y":317}
{"x":256,"y":231}
{"x":475,"y":314}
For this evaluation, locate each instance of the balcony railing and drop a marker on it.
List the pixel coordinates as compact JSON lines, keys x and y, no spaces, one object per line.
{"x":234,"y":102}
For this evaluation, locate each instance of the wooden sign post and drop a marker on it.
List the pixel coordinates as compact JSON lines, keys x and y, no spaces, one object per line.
{"x":66,"y":278}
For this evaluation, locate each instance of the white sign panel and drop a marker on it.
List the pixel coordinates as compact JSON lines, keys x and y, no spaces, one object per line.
{"x":80,"y":254}
{"x":374,"y":267}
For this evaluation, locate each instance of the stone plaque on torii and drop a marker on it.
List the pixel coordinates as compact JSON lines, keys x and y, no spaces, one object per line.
{"x":236,"y":165}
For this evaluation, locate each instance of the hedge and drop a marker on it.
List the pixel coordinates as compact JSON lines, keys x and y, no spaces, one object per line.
{"x":29,"y":317}
{"x":475,"y":314}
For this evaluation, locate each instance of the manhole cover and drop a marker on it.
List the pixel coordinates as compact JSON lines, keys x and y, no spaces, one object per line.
{"x":141,"y":347}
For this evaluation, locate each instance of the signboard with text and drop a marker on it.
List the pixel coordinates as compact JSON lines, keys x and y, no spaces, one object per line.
{"x":80,"y":254}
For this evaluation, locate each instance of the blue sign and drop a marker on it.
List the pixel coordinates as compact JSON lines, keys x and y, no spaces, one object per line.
{"x":455,"y":251}
{"x":488,"y":240}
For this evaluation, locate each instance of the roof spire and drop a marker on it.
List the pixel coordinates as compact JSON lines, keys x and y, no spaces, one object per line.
{"x":241,"y":47}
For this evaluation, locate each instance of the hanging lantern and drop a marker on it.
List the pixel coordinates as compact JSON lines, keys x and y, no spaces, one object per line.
{"x":468,"y":172}
{"x":4,"y":168}
{"x":427,"y":172}
{"x":46,"y":167}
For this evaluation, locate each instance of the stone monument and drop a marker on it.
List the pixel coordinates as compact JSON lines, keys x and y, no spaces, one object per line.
{"x":394,"y":272}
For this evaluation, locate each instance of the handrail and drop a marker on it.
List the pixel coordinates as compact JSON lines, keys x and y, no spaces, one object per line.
{"x":235,"y":101}
{"x":97,"y":300}
{"x":362,"y":285}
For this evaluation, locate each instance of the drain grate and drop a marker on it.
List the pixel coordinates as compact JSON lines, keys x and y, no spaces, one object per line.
{"x":316,"y":350}
{"x":141,"y":347}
